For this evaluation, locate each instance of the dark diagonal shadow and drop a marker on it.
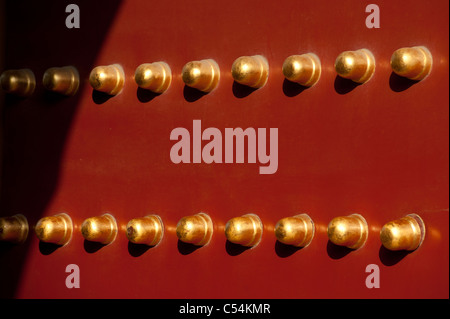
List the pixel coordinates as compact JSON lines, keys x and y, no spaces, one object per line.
{"x":337,"y":252}
{"x":35,"y":129}
{"x":343,"y":86}
{"x":399,"y":83}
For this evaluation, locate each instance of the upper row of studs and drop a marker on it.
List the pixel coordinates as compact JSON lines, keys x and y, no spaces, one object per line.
{"x":359,"y":66}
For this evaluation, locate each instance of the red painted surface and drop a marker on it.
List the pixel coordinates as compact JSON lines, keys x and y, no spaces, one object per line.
{"x":378,"y":149}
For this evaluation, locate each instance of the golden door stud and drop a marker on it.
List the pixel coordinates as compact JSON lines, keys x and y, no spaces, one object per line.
{"x":155,"y":77}
{"x":252,"y":71}
{"x":245,"y":230}
{"x":101,"y":229}
{"x":108,"y":79}
{"x":18,"y":82}
{"x":55,"y":229}
{"x":196,"y":229}
{"x":202,"y":75}
{"x":297,"y":230}
{"x":349,"y":231}
{"x":303,"y":69}
{"x":146,"y":230}
{"x":358,"y":66}
{"x":413,"y":63}
{"x":406,"y":233}
{"x":14,"y":229}
{"x":64,"y":80}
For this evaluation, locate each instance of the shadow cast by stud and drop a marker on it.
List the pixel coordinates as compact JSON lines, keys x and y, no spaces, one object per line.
{"x":343,"y":86}
{"x":50,"y":97}
{"x":100,"y":97}
{"x":192,"y":94}
{"x":399,"y":83}
{"x":92,"y":246}
{"x":292,"y":89}
{"x":47,"y":248}
{"x":186,"y":248}
{"x":283,"y":250}
{"x":391,"y":258}
{"x":235,"y":249}
{"x":137,"y":250}
{"x":337,"y":252}
{"x":241,"y":91}
{"x":145,"y":96}
{"x":12,"y":100}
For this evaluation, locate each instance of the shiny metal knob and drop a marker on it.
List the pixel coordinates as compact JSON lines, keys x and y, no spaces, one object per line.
{"x":14,"y":229}
{"x":108,"y":79}
{"x":18,"y":82}
{"x":196,"y":229}
{"x":252,"y":71}
{"x":349,"y":231}
{"x":146,"y":230}
{"x":297,"y":230}
{"x":55,"y":229}
{"x":358,"y":66}
{"x":245,"y":230}
{"x":303,"y":69}
{"x":64,"y":80}
{"x":101,"y":229}
{"x":155,"y":77}
{"x":413,"y":63}
{"x":202,"y":75}
{"x":406,"y":233}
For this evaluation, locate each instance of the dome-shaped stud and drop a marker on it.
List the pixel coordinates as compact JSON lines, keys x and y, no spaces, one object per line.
{"x":146,"y":230}
{"x":64,"y":80}
{"x":406,"y":233}
{"x":252,"y":71}
{"x":155,"y":77}
{"x":303,"y":69}
{"x":245,"y":230}
{"x":413,"y":63}
{"x":349,"y":231}
{"x":358,"y":66}
{"x":196,"y":229}
{"x":101,"y":229}
{"x":108,"y":79}
{"x":55,"y":229}
{"x":297,"y":230}
{"x":14,"y":229}
{"x":202,"y":75}
{"x":18,"y":82}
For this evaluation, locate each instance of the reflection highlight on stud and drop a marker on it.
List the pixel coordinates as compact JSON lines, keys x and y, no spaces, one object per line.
{"x":108,"y":79}
{"x":14,"y":229}
{"x":55,"y":229}
{"x":20,"y":82}
{"x":245,"y":230}
{"x":414,"y":63}
{"x":155,"y":77}
{"x":406,"y":233}
{"x":358,"y":66}
{"x":203,"y":75}
{"x":303,"y":69}
{"x":297,"y":230}
{"x":196,"y":229}
{"x":64,"y":80}
{"x":252,"y":71}
{"x":146,"y":230}
{"x":349,"y":231}
{"x":101,"y":229}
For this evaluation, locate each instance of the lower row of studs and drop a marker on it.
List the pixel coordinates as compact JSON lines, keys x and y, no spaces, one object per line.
{"x":406,"y":233}
{"x":359,"y":66}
